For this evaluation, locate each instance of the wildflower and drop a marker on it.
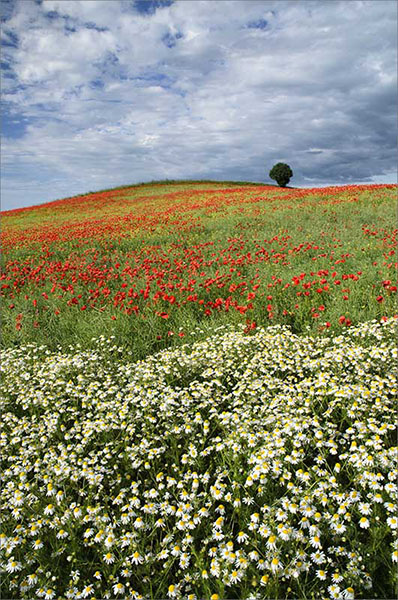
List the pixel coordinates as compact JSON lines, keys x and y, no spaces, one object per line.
{"x":13,"y":566}
{"x":218,"y":523}
{"x":364,"y":508}
{"x":32,"y":579}
{"x":62,"y":534}
{"x":184,"y":560}
{"x":242,"y":537}
{"x":364,"y":523}
{"x":137,"y":559}
{"x":109,"y":541}
{"x":339,"y":527}
{"x":334,"y":591}
{"x":163,"y":555}
{"x":88,"y":533}
{"x":109,"y":558}
{"x":253,"y":555}
{"x":138,"y":523}
{"x":318,"y":557}
{"x":284,"y":533}
{"x":118,"y":588}
{"x":235,"y":576}
{"x":315,"y":541}
{"x":215,"y":568}
{"x":276,"y":565}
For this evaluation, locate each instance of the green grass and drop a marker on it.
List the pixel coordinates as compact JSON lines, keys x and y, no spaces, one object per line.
{"x":335,"y":232}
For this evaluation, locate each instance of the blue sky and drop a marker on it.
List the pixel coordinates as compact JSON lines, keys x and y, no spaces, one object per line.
{"x":99,"y":93}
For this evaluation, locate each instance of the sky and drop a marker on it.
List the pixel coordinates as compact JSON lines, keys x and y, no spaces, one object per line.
{"x":99,"y":93}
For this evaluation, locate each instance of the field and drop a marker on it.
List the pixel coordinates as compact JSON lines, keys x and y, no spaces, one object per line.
{"x":152,"y":263}
{"x":199,"y":394}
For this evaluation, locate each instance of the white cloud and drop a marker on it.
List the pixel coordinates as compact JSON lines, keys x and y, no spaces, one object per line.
{"x":197,"y":89}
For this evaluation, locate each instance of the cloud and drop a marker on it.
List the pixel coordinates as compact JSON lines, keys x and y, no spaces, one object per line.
{"x":102,"y":93}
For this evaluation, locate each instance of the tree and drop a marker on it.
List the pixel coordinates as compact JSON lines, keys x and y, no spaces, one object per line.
{"x":282,"y":173}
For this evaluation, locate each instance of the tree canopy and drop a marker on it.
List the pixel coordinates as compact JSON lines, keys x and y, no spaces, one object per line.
{"x":282,"y":173}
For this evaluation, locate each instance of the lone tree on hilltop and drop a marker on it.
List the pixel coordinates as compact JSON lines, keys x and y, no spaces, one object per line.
{"x":282,"y":173}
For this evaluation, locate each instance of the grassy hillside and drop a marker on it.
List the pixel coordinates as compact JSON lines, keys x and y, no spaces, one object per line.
{"x":152,"y":264}
{"x":251,"y":452}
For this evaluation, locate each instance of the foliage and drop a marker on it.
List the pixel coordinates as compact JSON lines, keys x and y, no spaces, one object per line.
{"x":282,"y":174}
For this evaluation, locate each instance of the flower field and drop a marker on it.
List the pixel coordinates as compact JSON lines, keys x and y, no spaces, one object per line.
{"x":151,"y":263}
{"x":242,"y":466}
{"x":199,"y":395}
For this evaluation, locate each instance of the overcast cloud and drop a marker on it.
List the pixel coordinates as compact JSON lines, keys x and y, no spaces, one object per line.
{"x":103,"y":93}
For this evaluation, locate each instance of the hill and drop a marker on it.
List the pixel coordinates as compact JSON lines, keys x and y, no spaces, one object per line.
{"x":153,"y":263}
{"x":198,"y":394}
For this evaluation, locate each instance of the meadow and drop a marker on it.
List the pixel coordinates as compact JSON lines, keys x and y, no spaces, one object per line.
{"x":198,"y":394}
{"x":154,"y":262}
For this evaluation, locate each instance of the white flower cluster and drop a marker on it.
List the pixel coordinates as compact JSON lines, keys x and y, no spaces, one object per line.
{"x":242,"y":466}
